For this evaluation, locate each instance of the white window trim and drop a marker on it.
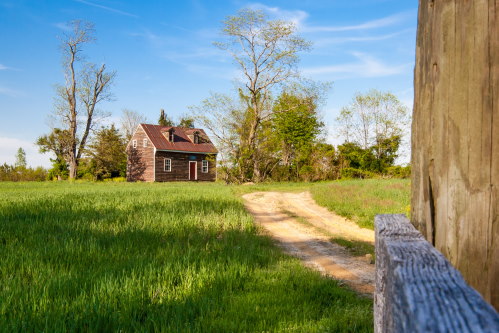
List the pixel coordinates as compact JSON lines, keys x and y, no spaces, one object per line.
{"x":144,"y":143}
{"x":170,"y":165}
{"x":203,"y":166}
{"x":134,"y":143}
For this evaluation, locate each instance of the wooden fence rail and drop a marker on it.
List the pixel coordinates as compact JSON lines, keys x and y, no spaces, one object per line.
{"x":418,"y":290}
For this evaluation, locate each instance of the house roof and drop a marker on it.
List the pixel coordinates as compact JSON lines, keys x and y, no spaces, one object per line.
{"x":183,"y":140}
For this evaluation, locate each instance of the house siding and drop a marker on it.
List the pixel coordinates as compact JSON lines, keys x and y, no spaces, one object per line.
{"x":140,"y":161}
{"x":180,"y":166}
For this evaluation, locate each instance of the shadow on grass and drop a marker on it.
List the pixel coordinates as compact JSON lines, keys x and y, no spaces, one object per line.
{"x":180,"y":266}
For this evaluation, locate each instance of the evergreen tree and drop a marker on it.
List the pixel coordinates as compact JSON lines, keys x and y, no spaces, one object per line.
{"x":20,"y":158}
{"x":107,"y":152}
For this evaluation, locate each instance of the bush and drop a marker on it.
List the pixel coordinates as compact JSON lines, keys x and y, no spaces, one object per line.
{"x":306,"y":173}
{"x":20,"y":173}
{"x":350,"y":173}
{"x":115,"y":179}
{"x":398,"y":171}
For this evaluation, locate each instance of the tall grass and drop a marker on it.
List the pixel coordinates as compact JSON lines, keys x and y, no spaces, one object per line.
{"x":362,"y":200}
{"x":154,"y":257}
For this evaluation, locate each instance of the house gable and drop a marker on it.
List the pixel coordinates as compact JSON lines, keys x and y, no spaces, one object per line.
{"x":140,"y":161}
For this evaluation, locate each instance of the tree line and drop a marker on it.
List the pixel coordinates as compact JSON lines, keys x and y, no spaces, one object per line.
{"x":269,"y":127}
{"x":20,"y":171}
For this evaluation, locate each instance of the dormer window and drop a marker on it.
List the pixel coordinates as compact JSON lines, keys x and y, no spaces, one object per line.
{"x":169,"y":135}
{"x":196,"y":137}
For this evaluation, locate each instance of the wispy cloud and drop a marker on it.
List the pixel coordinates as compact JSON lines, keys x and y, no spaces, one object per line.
{"x":374,"y":24}
{"x":366,"y":67}
{"x":113,"y":10}
{"x":339,"y":40}
{"x":151,"y":38}
{"x":7,"y":68}
{"x":62,"y":26}
{"x":298,"y":17}
{"x":11,"y":92}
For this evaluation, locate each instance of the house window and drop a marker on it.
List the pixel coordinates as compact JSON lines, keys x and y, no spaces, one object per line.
{"x":168,"y":164}
{"x":204,"y":168}
{"x":134,"y":143}
{"x":144,"y":143}
{"x":196,"y":137}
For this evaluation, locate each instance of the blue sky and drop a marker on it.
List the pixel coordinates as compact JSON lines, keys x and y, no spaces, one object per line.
{"x":164,"y":58}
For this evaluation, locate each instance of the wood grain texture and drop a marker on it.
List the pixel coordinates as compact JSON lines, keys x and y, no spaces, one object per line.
{"x":418,"y":290}
{"x":455,"y":137}
{"x":180,"y":166}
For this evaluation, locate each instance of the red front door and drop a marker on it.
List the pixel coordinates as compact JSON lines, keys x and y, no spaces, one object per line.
{"x":193,"y":175}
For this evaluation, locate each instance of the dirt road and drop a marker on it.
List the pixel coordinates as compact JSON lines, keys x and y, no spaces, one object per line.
{"x":303,"y":229}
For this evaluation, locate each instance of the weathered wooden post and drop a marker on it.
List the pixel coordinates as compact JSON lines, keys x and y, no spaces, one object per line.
{"x":418,"y":290}
{"x":455,"y":137}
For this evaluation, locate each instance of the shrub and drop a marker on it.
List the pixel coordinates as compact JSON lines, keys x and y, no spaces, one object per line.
{"x":398,"y":171}
{"x":350,"y":173}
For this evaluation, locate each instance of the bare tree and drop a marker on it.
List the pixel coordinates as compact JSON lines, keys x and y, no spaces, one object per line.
{"x":129,"y":122}
{"x":86,"y":85}
{"x":267,"y":54}
{"x":222,"y":116}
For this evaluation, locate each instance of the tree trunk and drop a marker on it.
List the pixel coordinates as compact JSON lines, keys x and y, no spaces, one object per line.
{"x":455,"y":137}
{"x":73,"y":167}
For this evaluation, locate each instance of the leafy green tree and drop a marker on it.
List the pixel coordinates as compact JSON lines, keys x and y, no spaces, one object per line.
{"x":266,"y":52}
{"x":295,"y":122}
{"x":164,"y":120}
{"x":20,"y":158}
{"x":295,"y":125}
{"x":186,"y":122}
{"x":59,"y":143}
{"x":107,"y":153}
{"x":385,"y":151}
{"x":59,"y":170}
{"x":355,"y":156}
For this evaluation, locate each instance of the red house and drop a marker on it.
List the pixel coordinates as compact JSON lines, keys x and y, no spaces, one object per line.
{"x":165,"y":153}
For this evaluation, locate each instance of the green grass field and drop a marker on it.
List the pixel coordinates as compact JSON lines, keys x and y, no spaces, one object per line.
{"x":155,"y":257}
{"x":362,"y":200}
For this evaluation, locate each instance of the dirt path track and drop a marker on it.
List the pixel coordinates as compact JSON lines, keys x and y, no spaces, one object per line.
{"x":281,"y":213}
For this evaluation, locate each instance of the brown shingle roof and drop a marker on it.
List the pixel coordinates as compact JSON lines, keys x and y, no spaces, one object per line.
{"x":181,"y":142}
